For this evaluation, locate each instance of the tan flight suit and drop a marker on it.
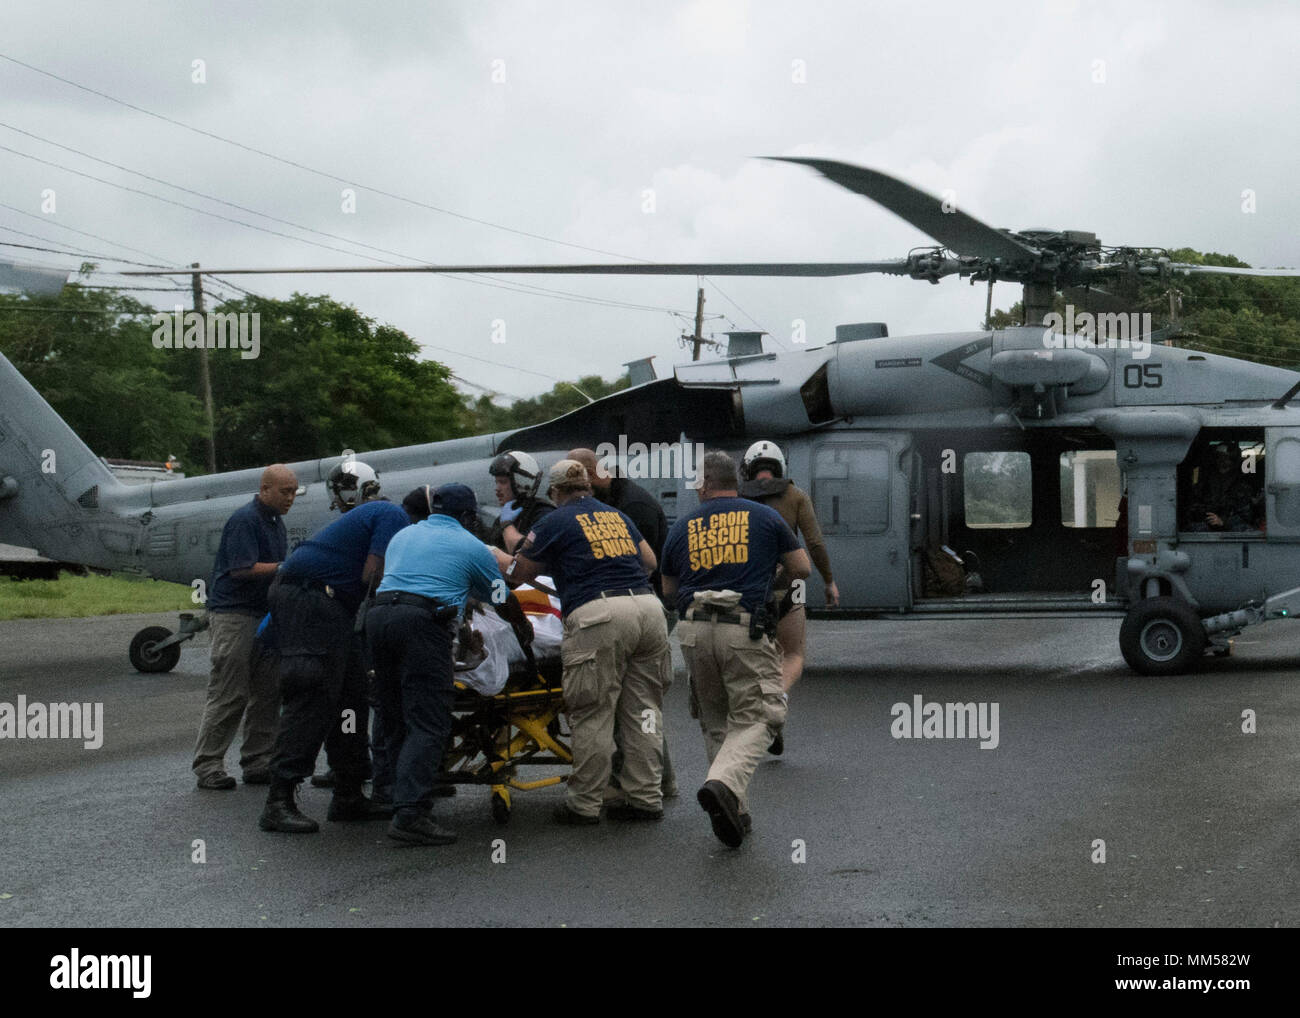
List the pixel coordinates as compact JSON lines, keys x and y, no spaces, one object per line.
{"x":736,"y":682}
{"x":796,"y":509}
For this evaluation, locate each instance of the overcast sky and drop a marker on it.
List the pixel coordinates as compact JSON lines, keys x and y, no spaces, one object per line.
{"x":1141,"y":122}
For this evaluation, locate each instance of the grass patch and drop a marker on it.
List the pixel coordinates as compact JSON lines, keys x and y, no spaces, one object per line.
{"x":78,"y":597}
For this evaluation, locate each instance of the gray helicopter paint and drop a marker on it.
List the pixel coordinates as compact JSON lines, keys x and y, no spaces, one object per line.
{"x":882,"y":392}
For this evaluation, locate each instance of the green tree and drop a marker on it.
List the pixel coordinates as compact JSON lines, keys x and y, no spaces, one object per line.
{"x":326,"y":378}
{"x":89,"y":353}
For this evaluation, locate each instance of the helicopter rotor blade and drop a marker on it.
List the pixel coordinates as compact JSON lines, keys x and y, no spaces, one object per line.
{"x":954,"y":229}
{"x":1228,"y":270}
{"x":897,"y":267}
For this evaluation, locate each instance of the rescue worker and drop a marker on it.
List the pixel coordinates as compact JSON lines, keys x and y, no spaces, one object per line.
{"x":718,"y":565}
{"x":518,"y":478}
{"x":644,"y":510}
{"x":350,"y":483}
{"x":243,"y":684}
{"x":765,"y":482}
{"x":617,"y":662}
{"x":430,"y":570}
{"x":313,"y":604}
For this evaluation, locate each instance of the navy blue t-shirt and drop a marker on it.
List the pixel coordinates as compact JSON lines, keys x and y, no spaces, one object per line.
{"x":586,"y":547}
{"x":727,"y":544}
{"x":254,"y":533}
{"x":336,"y":554}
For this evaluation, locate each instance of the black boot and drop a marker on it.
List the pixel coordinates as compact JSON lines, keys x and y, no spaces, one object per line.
{"x":281,"y":812}
{"x":350,"y":803}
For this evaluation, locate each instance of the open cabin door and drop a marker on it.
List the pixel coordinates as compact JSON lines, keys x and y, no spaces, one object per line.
{"x":860,"y":492}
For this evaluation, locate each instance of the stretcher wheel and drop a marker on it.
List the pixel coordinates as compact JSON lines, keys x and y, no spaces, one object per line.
{"x":501,"y":807}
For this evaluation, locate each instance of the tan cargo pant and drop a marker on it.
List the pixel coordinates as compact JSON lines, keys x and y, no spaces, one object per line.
{"x":244,"y":684}
{"x":617,"y":663}
{"x":736,"y":683}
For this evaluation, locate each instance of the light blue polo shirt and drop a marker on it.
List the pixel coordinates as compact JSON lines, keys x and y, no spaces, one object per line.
{"x":439,"y":558}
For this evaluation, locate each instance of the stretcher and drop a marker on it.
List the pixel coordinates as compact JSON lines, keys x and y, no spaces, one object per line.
{"x":506,"y":716}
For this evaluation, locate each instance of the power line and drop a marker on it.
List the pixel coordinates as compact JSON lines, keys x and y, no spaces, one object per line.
{"x":490,"y":281}
{"x":309,"y":169}
{"x":72,"y":254}
{"x":352,"y":183}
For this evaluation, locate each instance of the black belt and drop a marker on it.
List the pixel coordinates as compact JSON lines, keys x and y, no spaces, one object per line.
{"x":627,"y":592}
{"x":316,"y":585}
{"x":429,"y":604}
{"x":710,"y":615}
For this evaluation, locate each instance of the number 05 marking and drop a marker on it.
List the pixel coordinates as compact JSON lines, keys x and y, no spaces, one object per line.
{"x":1142,"y":376}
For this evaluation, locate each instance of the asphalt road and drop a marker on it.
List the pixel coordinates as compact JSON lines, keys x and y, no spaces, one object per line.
{"x":1198,"y":818}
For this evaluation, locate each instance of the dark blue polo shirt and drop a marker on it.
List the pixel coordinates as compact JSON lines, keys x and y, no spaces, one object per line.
{"x":254,"y":533}
{"x":337,"y":553}
{"x":586,"y":547}
{"x":727,"y":544}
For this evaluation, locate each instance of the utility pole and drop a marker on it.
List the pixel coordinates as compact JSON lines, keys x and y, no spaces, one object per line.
{"x":205,"y":380}
{"x":698,"y":339}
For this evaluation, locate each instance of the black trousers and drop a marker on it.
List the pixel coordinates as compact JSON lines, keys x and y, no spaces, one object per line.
{"x":322,"y":688}
{"x":414,"y":675}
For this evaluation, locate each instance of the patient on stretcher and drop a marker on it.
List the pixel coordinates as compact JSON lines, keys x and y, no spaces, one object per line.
{"x":484,"y":660}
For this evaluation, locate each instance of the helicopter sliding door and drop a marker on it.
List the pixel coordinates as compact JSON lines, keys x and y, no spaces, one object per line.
{"x":860,"y":493}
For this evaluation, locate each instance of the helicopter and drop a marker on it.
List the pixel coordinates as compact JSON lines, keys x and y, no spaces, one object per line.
{"x":1065,"y":464}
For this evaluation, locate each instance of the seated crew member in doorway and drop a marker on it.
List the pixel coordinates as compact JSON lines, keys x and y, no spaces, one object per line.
{"x":617,"y":661}
{"x":243,"y":682}
{"x":765,"y":482}
{"x":644,"y":510}
{"x":313,"y":603}
{"x":718,"y":565}
{"x":431,"y":569}
{"x":1224,"y":497}
{"x":518,"y":478}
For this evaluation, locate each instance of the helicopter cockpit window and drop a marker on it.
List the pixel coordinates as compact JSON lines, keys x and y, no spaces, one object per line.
{"x":998,"y":489}
{"x":1090,"y":488}
{"x":1221,"y":484}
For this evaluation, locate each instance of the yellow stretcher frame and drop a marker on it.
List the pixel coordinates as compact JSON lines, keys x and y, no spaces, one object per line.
{"x":493,"y":736}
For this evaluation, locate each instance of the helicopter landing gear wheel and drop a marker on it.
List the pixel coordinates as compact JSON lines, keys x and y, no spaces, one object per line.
{"x":145,"y":656}
{"x":1162,"y":636}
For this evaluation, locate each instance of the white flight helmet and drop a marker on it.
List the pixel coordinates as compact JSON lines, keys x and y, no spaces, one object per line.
{"x":764,"y":455}
{"x":352,"y":482}
{"x":516,"y":464}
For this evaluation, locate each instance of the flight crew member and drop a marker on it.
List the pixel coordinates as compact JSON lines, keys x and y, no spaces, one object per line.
{"x":1224,"y":497}
{"x":644,"y":510}
{"x":430,"y":570}
{"x":765,"y":482}
{"x":314,"y":602}
{"x":718,"y":565}
{"x":518,"y":478}
{"x":244,"y":682}
{"x":617,"y":662}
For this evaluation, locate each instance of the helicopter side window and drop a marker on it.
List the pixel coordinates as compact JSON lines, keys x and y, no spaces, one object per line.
{"x":1221,"y":483}
{"x":998,"y":490}
{"x":1090,"y":488}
